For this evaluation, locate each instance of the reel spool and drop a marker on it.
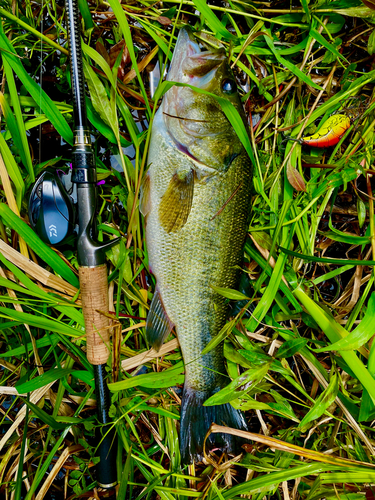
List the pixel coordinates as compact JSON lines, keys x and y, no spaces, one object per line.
{"x":51,"y":209}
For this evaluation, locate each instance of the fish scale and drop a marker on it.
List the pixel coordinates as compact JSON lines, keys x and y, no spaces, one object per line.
{"x":202,"y":250}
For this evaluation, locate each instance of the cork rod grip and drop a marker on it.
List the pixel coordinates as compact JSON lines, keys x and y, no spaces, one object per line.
{"x":94,"y":293}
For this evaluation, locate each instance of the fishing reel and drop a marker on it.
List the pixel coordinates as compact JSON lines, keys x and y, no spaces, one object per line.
{"x":54,"y":217}
{"x":51,"y":207}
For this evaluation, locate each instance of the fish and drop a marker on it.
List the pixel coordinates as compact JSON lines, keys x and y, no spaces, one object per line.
{"x":196,"y":199}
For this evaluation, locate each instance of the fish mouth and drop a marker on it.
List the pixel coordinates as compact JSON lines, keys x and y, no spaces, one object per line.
{"x":201,"y":63}
{"x":194,"y":67}
{"x":182,"y":116}
{"x":189,"y":61}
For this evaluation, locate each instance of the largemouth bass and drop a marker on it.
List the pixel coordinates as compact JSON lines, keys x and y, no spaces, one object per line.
{"x":195,"y":198}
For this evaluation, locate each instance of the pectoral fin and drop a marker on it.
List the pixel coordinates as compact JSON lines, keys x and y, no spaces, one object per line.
{"x":158,"y":325}
{"x":176,"y":202}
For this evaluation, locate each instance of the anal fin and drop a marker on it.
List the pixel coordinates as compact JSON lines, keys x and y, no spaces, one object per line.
{"x":158,"y":325}
{"x":176,"y":202}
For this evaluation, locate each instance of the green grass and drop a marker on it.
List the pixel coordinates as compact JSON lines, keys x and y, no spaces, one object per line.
{"x":301,"y":330}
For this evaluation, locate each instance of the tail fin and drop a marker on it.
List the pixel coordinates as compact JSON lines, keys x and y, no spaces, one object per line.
{"x":196,"y":420}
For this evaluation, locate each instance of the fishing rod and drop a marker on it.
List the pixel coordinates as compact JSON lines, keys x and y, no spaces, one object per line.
{"x":52,"y":214}
{"x":93,"y":275}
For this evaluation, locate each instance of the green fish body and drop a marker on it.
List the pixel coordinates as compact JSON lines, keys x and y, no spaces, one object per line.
{"x":196,"y":200}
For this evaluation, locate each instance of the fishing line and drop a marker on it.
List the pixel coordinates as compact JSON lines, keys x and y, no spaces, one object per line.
{"x":41,"y":83}
{"x":182,"y":118}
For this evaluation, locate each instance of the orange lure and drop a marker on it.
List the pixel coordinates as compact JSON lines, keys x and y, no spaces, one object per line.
{"x":329,"y":133}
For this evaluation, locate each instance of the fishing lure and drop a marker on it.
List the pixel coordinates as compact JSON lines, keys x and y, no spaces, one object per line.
{"x":329,"y":133}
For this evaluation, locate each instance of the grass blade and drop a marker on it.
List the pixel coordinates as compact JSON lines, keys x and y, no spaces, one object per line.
{"x":46,"y":104}
{"x":334,"y":332}
{"x":38,"y":245}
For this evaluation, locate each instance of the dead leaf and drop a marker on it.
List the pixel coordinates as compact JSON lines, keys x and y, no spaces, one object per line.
{"x":369,"y":3}
{"x":295,"y":178}
{"x":165,"y":21}
{"x":125,"y":59}
{"x":102,"y":51}
{"x":141,"y":66}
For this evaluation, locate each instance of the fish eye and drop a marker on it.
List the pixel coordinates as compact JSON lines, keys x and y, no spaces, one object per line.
{"x":228,"y":86}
